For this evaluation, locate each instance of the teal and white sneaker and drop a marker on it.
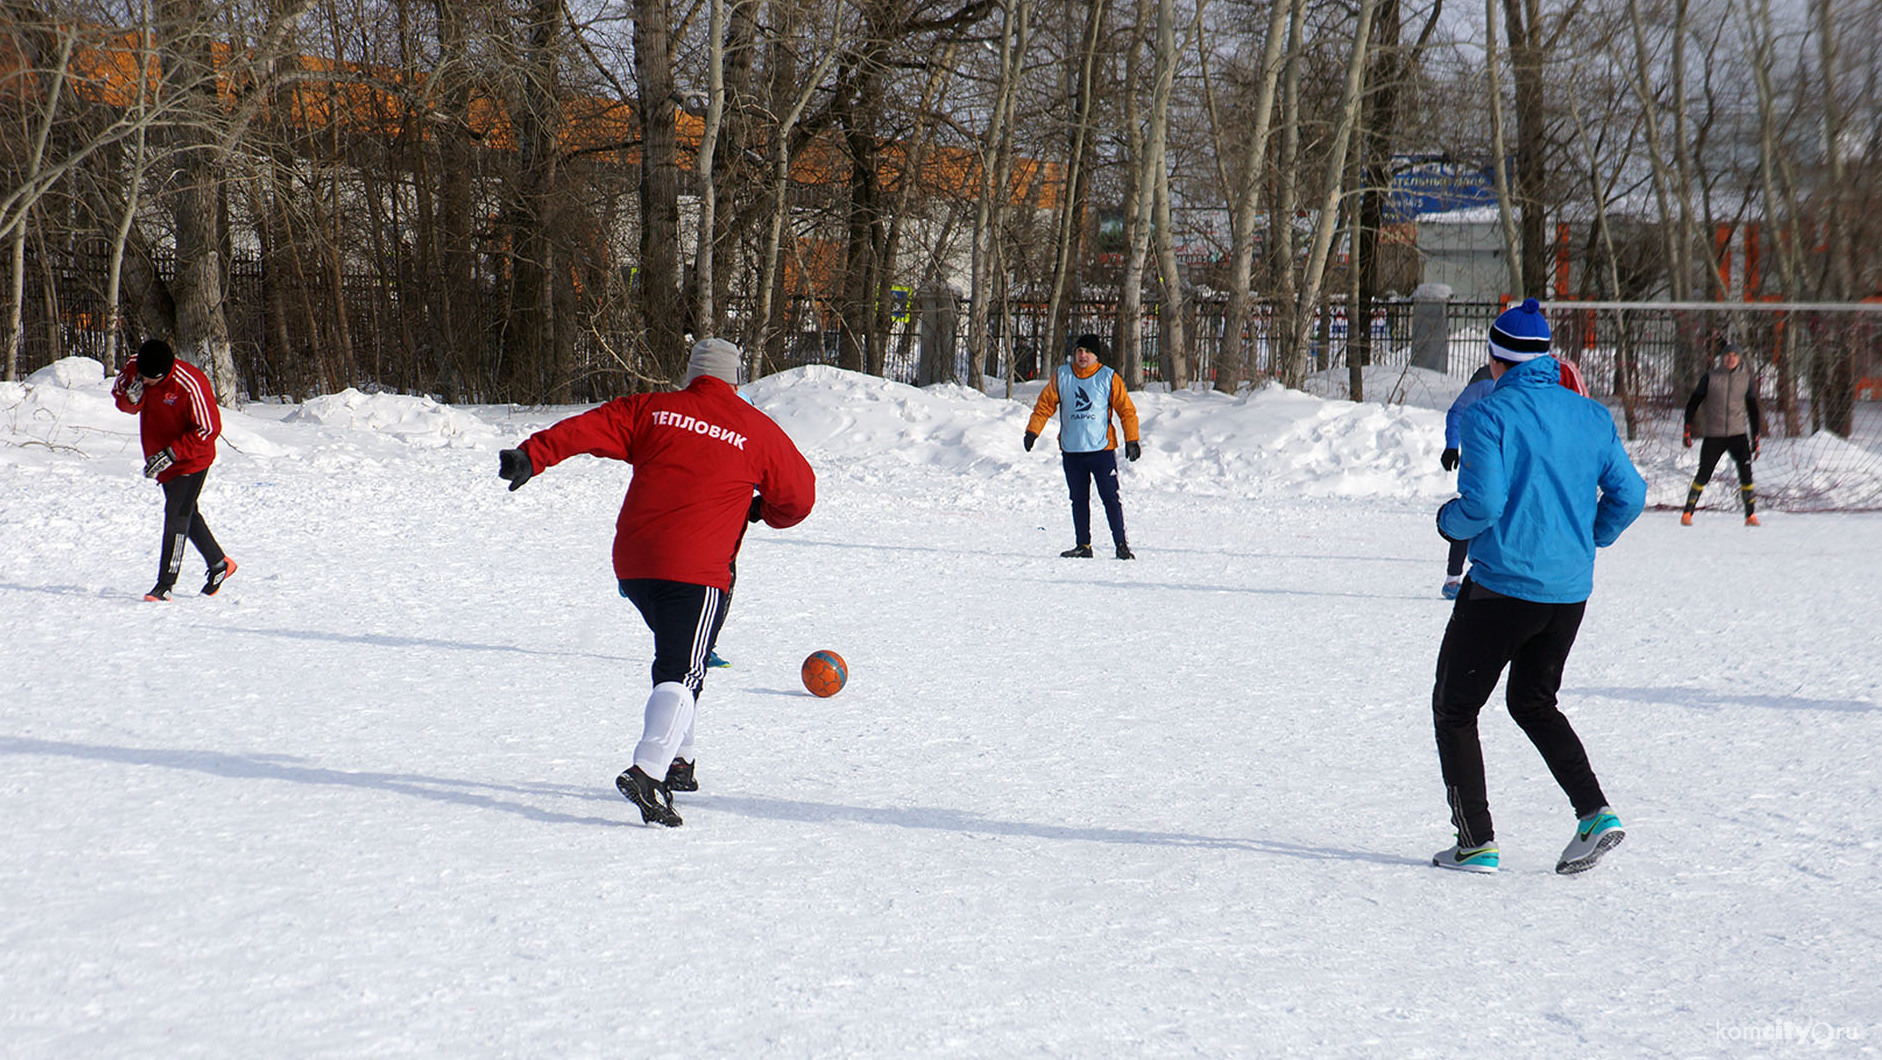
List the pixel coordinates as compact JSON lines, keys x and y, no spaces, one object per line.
{"x":1595,"y":835}
{"x":1467,"y":859}
{"x":713,"y":661}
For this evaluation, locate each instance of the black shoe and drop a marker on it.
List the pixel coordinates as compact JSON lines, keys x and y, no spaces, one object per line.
{"x":158,"y":592}
{"x":1124,"y":552}
{"x":655,"y":802}
{"x":1081,"y":552}
{"x":680,"y":776}
{"x":217,"y":575}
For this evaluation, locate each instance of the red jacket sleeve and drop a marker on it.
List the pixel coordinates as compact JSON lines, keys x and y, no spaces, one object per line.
{"x":604,"y":431}
{"x":205,"y":415}
{"x":788,"y":487}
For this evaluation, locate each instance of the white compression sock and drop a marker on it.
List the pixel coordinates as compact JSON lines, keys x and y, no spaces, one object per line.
{"x":669,"y":721}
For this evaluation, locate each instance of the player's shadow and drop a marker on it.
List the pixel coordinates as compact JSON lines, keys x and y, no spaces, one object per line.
{"x":930,"y":817}
{"x":59,"y":590}
{"x":1701,"y":699}
{"x":1248,"y":590}
{"x":471,"y":793}
{"x":387,"y":640}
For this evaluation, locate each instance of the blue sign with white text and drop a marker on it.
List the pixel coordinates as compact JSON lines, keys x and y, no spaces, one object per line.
{"x":1438,"y":187}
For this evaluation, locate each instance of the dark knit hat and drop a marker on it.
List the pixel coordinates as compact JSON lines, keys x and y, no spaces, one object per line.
{"x":1091,"y":342}
{"x":155,"y":359}
{"x":1520,"y":334}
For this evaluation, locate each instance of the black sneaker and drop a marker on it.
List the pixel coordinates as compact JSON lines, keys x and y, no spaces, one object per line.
{"x":217,"y":575}
{"x":680,"y":776}
{"x":655,"y":802}
{"x":1124,"y":552}
{"x":1081,"y":552}
{"x":158,"y":592}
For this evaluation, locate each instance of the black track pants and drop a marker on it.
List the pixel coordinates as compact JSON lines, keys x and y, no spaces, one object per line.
{"x":1488,"y":632}
{"x":1081,"y":469}
{"x":685,"y":620}
{"x":181,"y":520}
{"x":1710,"y":449}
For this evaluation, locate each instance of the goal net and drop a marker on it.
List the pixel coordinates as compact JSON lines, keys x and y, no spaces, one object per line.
{"x":1817,"y":370}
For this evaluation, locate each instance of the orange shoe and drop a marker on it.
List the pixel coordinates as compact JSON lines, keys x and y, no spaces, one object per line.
{"x":217,"y":575}
{"x":1752,"y":520}
{"x":1685,"y":518}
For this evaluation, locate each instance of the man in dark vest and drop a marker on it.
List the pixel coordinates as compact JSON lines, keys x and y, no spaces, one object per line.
{"x":1723,"y":411}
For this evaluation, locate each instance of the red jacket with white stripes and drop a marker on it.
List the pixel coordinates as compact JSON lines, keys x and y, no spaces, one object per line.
{"x":177,"y":412}
{"x":698,"y":454}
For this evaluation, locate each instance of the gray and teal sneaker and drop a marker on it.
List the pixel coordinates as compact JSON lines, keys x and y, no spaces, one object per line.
{"x":1467,"y":859}
{"x":1595,"y":835}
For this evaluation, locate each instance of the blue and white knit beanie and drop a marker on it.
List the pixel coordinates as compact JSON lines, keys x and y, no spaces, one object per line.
{"x":1520,"y":334}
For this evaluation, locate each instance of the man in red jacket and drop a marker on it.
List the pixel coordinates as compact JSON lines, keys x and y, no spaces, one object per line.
{"x":178,"y":421}
{"x":705,"y":464}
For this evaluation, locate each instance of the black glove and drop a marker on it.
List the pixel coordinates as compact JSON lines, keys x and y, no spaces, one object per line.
{"x":755,"y":513}
{"x":514,"y":466}
{"x":1132,"y":450}
{"x":1441,"y":533}
{"x":1031,"y":437}
{"x":1449,"y":459}
{"x":157,"y":461}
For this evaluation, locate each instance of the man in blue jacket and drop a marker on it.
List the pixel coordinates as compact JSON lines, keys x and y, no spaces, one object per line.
{"x":1543,"y":482}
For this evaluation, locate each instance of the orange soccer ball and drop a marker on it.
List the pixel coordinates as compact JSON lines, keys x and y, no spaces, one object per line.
{"x":825,"y":673}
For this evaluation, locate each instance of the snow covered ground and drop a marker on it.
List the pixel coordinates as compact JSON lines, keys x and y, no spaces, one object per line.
{"x":361,"y":802}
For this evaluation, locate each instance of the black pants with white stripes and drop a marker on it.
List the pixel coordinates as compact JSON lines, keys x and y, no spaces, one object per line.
{"x":182,"y":521}
{"x":1489,"y":631}
{"x":685,"y":620}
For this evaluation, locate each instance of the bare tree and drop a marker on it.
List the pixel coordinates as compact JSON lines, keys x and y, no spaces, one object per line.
{"x":1314,"y":275}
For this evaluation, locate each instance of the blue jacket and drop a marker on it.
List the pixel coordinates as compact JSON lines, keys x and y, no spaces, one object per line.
{"x":1478,"y":388}
{"x":1543,"y":483}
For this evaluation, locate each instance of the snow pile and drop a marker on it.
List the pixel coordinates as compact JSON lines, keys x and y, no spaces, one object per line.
{"x":1195,"y":441}
{"x":416,"y":421}
{"x":65,"y":407}
{"x":72,"y":373}
{"x":849,"y":415}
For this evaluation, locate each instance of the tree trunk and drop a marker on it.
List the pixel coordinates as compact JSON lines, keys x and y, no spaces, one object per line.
{"x":1839,"y":396}
{"x":1139,"y":198}
{"x":1315,"y":272}
{"x":1679,"y":274}
{"x":1172,"y":347}
{"x":1513,"y":255}
{"x":990,"y":205}
{"x":1237,"y":352}
{"x":770,"y":276}
{"x":1286,"y":353}
{"x":1526,"y":58}
{"x":704,"y":312}
{"x":1378,"y":130}
{"x":1069,"y":219}
{"x":662,"y":307}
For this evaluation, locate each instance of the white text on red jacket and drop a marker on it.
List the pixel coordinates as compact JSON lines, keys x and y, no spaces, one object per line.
{"x":698,"y":426}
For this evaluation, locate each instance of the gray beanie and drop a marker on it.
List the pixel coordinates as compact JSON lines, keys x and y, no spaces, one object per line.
{"x":714,"y":357}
